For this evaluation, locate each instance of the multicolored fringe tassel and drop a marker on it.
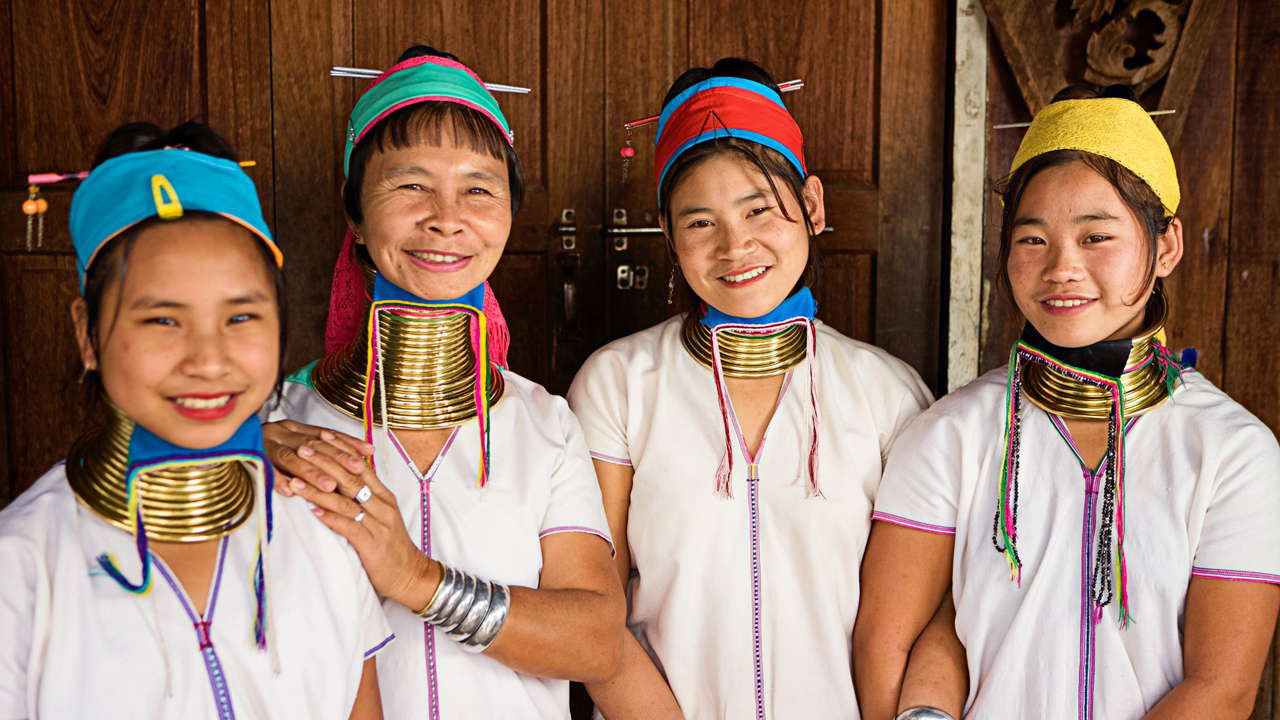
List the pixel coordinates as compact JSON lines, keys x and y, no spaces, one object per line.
{"x":1107,"y":566}
{"x":724,"y":473}
{"x":263,"y":480}
{"x":479,"y":345}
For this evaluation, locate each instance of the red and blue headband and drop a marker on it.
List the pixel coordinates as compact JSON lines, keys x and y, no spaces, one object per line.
{"x":726,"y":107}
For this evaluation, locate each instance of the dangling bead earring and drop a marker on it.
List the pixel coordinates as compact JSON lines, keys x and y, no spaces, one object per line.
{"x":628,"y":152}
{"x":34,"y":208}
{"x":671,"y":285}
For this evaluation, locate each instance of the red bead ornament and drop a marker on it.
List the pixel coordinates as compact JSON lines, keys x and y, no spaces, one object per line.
{"x":628,"y":152}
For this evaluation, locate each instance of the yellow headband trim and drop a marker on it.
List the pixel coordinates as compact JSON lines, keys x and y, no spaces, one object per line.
{"x":1114,"y":128}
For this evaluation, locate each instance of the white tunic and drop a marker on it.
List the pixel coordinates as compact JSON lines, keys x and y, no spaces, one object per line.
{"x":1202,"y":483}
{"x":541,"y":482}
{"x":746,"y":604}
{"x":74,"y":644}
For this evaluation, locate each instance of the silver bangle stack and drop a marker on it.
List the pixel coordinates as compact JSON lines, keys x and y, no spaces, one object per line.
{"x":922,"y":712}
{"x":468,"y":609}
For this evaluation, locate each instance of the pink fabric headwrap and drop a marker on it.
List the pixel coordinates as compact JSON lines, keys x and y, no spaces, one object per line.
{"x":347,"y":301}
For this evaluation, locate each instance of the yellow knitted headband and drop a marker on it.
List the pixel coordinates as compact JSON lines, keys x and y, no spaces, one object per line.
{"x":1114,"y":128}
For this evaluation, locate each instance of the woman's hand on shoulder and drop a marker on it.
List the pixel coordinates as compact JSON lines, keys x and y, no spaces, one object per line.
{"x":324,"y":459}
{"x":328,"y":469}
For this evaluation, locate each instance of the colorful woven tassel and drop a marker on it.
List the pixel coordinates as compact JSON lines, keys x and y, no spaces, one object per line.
{"x":1111,"y":572}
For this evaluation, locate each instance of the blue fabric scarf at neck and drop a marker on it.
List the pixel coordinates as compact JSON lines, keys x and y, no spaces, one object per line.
{"x":386,"y":291}
{"x":150,"y":453}
{"x":799,"y":305}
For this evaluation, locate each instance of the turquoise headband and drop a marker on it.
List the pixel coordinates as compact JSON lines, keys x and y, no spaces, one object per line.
{"x":418,"y":80}
{"x":128,"y":189}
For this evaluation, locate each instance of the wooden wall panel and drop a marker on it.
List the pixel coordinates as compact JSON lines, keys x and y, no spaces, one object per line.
{"x":913,"y":102}
{"x":1252,"y":344}
{"x":83,"y":67}
{"x":1204,"y":158}
{"x":1001,"y":321}
{"x":646,"y":49}
{"x":8,"y":141}
{"x":238,"y":59}
{"x":309,"y":111}
{"x":40,"y":357}
{"x":578,"y":148}
{"x":831,"y":46}
{"x":846,"y":298}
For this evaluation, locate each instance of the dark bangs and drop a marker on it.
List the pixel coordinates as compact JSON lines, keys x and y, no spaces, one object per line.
{"x":423,"y":124}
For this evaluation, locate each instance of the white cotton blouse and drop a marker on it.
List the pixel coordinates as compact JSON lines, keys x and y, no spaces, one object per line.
{"x":541,"y":482}
{"x":77,"y":645}
{"x":746,"y":604}
{"x":1203,"y":497}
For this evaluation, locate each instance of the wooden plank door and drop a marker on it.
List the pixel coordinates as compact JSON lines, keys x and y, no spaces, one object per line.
{"x":872,"y":110}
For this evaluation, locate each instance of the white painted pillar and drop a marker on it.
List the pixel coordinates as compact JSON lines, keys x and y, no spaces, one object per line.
{"x":968,"y":182}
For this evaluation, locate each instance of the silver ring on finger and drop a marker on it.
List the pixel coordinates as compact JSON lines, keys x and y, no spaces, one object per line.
{"x":363,"y":496}
{"x":360,"y":516}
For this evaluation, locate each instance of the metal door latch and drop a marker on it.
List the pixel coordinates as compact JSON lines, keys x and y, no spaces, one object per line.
{"x":633,"y":277}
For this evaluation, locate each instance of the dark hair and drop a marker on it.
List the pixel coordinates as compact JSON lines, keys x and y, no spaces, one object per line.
{"x":1133,"y":190}
{"x":766,"y":160}
{"x":423,"y":123}
{"x":112,"y":262}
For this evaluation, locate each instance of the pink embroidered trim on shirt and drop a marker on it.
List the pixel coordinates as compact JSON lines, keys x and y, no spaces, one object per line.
{"x":611,"y":459}
{"x":1244,"y":575}
{"x":913,"y":524}
{"x":579,"y":529}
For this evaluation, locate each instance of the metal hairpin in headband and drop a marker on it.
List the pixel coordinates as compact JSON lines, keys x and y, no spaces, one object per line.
{"x":369,"y":74}
{"x":1007,"y":126}
{"x":35,"y":206}
{"x":629,"y":152}
{"x":788,"y":86}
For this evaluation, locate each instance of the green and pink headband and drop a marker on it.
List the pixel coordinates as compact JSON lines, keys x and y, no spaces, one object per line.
{"x":419,"y":80}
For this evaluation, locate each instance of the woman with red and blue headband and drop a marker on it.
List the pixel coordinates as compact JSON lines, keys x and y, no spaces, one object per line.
{"x":739,"y":444}
{"x":1105,"y":518}
{"x":154,"y":574}
{"x":472,"y":499}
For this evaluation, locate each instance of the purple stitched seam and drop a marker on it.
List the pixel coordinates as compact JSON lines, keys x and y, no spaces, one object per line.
{"x":428,"y":631}
{"x":379,"y":646}
{"x":753,"y":478}
{"x":212,"y":665}
{"x":754,"y":497}
{"x":1088,"y":648}
{"x":913,"y":524}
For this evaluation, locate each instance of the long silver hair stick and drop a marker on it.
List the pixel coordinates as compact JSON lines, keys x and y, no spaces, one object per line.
{"x":1006,"y":126}
{"x":788,"y":86}
{"x":369,"y":74}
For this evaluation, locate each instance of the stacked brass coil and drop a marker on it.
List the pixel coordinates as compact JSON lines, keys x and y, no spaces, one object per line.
{"x":185,"y":504}
{"x":427,"y":362}
{"x":747,"y":356}
{"x":1144,"y":388}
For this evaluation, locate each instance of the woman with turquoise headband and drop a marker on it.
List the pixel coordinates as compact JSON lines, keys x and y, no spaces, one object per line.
{"x":467,"y":489}
{"x":739,"y":444}
{"x":153,"y":574}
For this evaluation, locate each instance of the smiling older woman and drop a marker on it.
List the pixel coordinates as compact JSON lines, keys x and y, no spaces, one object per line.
{"x":482,"y":526}
{"x":1132,"y":505}
{"x":707,"y":430}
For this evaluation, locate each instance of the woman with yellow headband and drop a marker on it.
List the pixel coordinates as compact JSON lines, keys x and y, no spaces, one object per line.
{"x":480,"y":521}
{"x":154,"y":574}
{"x":1105,"y":517}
